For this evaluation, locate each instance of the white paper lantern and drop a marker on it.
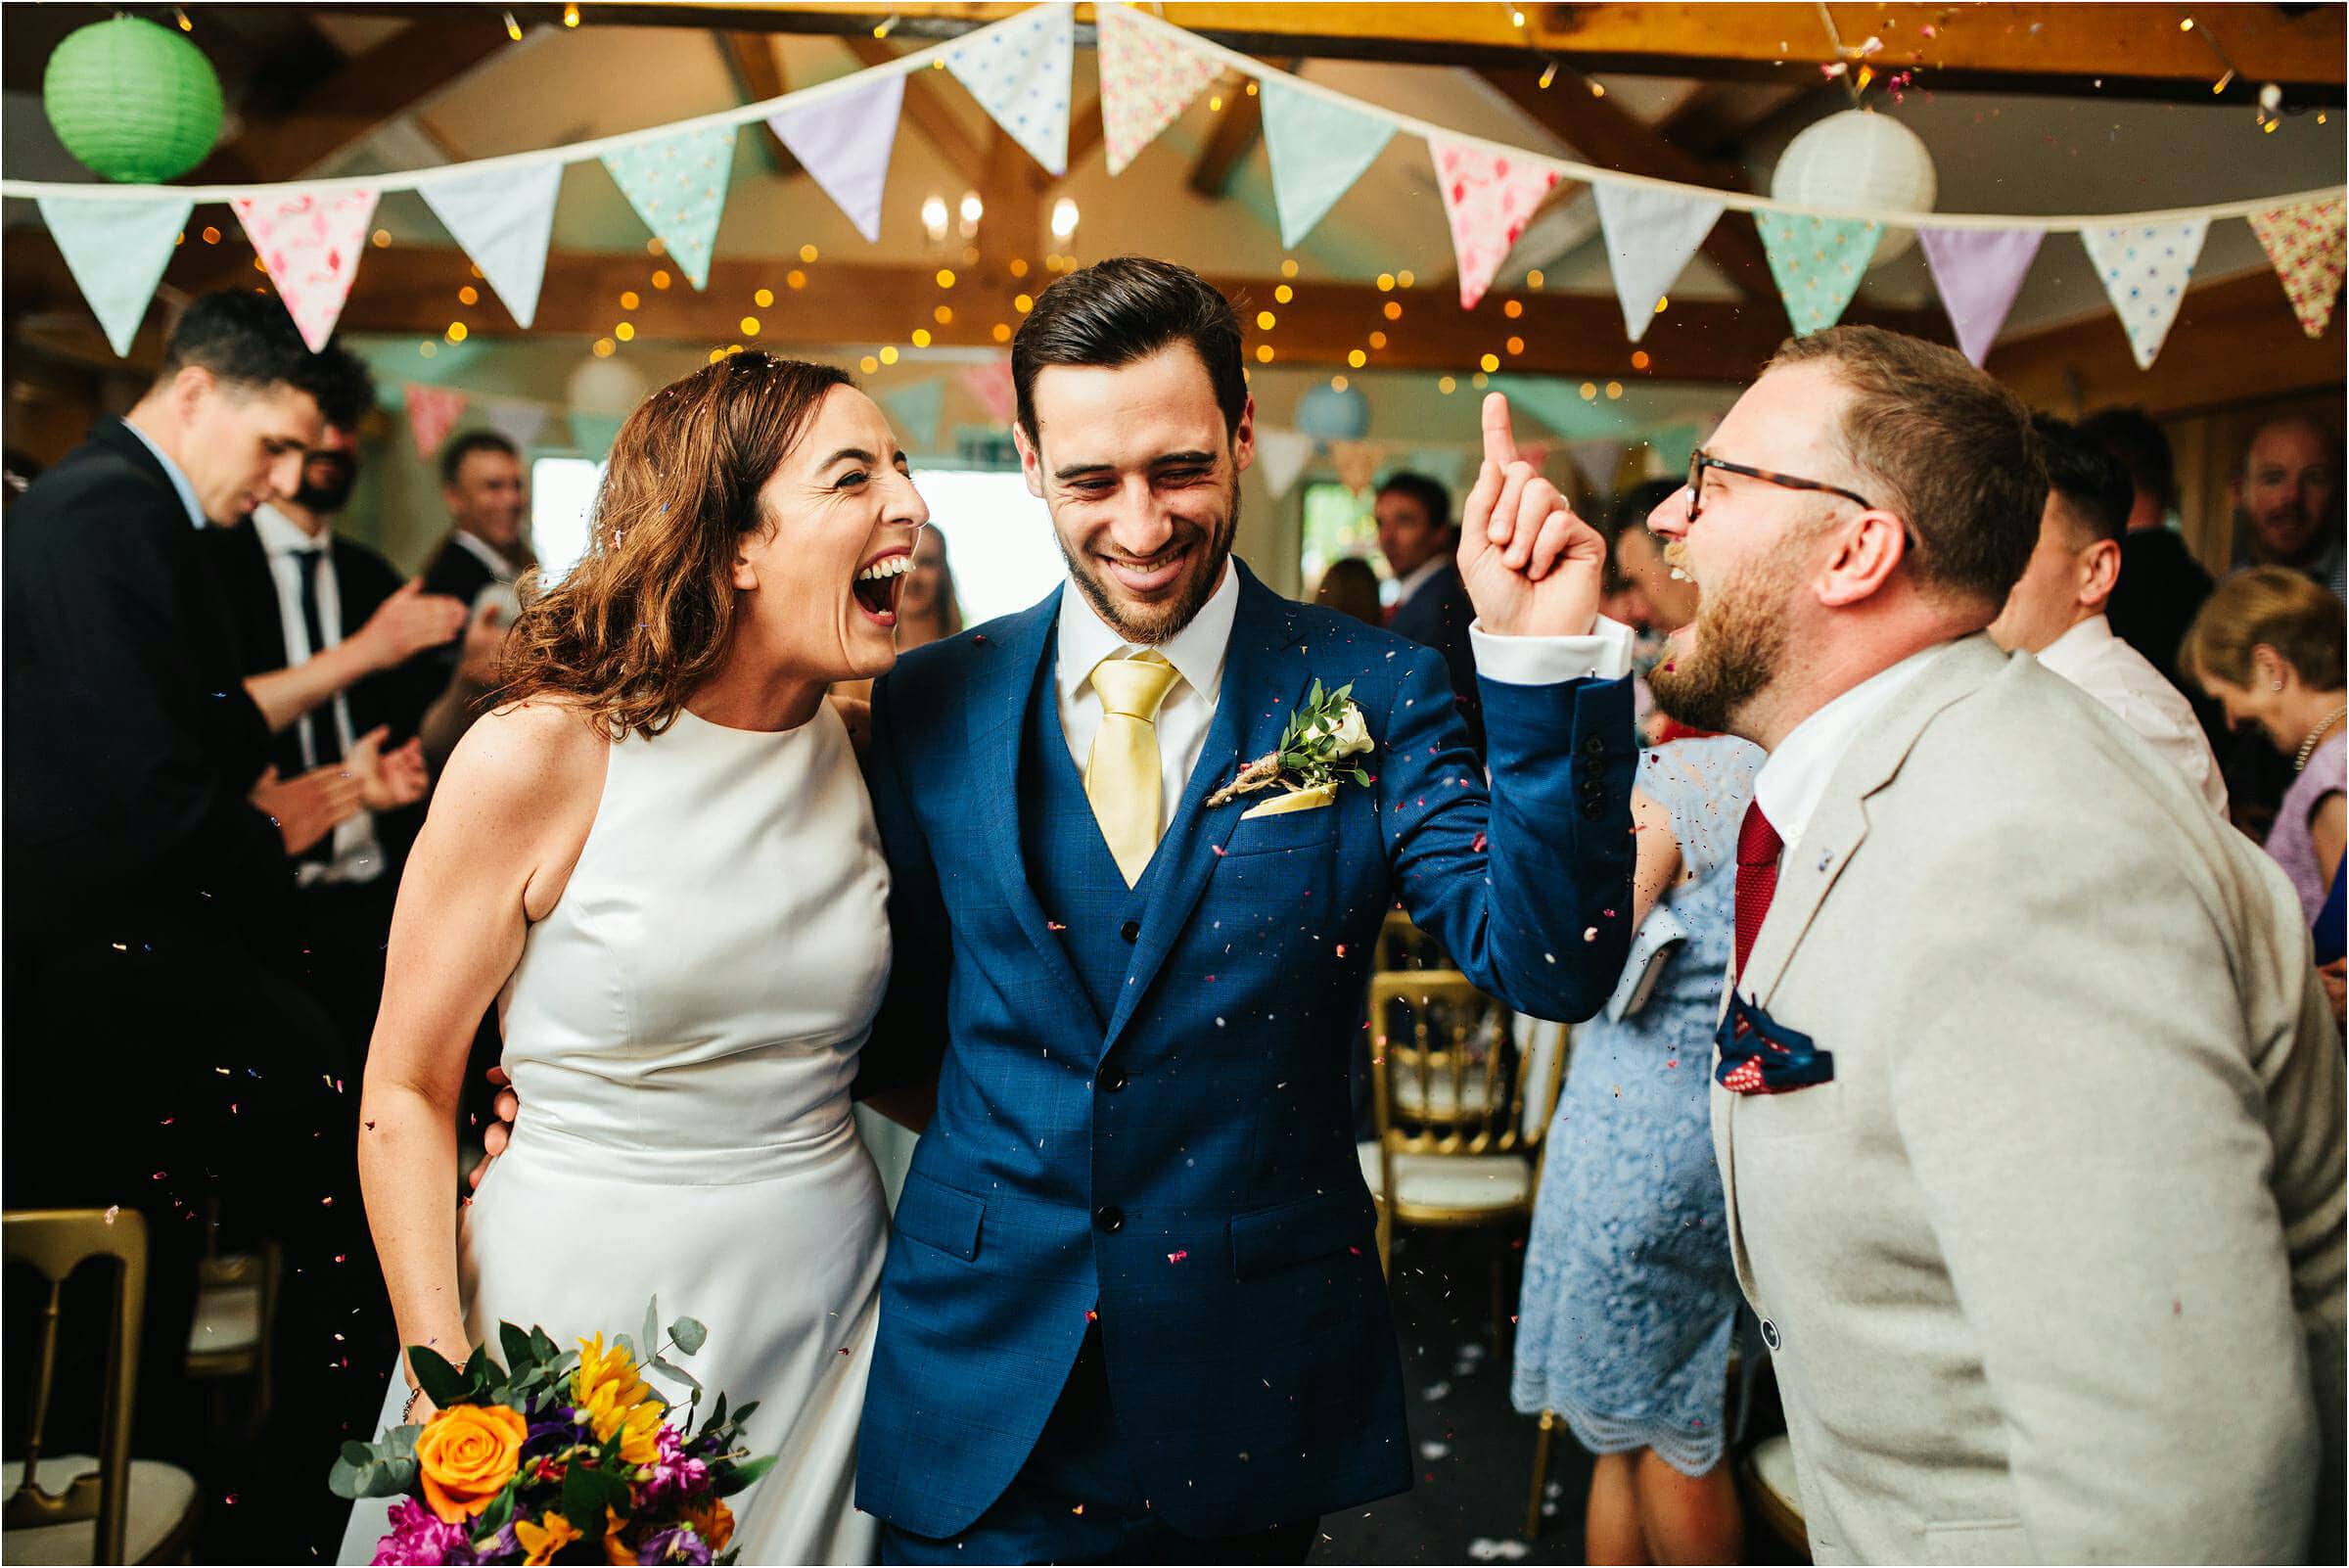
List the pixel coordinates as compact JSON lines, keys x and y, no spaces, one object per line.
{"x":1862,"y":160}
{"x":611,"y":386}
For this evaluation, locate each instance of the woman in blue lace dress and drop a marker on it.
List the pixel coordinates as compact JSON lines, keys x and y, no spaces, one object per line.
{"x":1629,"y":1300}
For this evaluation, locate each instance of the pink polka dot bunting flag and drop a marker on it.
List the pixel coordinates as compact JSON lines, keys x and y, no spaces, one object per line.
{"x":2306,"y":245}
{"x":1148,"y":77}
{"x":2146,"y":268}
{"x":1019,"y":70}
{"x":309,"y":244}
{"x":1817,"y":263}
{"x":677,"y":184}
{"x":1489,"y":198}
{"x":433,"y":412}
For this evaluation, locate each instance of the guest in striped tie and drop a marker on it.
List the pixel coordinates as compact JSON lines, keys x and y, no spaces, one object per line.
{"x":2030,"y":1116}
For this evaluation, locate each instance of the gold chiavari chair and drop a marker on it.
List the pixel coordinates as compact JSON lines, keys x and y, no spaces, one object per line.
{"x":113,"y":1508}
{"x":1462,"y":1105}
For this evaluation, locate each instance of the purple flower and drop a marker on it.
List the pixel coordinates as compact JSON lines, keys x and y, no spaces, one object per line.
{"x":681,"y":1544}
{"x":503,"y":1547}
{"x":552,"y":1430}
{"x":418,"y":1537}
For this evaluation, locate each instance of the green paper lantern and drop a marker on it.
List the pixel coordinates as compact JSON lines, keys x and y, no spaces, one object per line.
{"x":133,"y":101}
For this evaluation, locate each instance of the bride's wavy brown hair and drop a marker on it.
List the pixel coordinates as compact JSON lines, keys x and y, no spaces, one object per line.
{"x":646,"y":615}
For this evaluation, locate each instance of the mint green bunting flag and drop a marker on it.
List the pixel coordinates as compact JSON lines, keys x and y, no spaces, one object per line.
{"x":677,"y":184}
{"x":116,"y":252}
{"x":1818,"y":264}
{"x":1319,"y":150}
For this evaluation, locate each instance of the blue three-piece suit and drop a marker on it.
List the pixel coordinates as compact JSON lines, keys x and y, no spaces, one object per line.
{"x":1144,"y":1124}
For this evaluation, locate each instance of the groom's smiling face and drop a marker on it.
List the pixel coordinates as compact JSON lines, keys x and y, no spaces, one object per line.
{"x":1142,"y":478}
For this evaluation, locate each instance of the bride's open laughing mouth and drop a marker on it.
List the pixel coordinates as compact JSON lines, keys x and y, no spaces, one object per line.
{"x":879,"y":583}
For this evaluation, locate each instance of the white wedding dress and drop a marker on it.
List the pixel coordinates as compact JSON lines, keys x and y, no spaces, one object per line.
{"x":682,"y":1031}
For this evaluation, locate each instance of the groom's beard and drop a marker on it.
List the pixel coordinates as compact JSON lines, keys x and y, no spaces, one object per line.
{"x":1734,"y":651}
{"x":1149,"y":625}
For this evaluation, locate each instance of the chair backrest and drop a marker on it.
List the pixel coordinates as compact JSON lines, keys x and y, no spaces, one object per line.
{"x":56,"y":1242}
{"x":1404,"y":945}
{"x":1448,"y":1076}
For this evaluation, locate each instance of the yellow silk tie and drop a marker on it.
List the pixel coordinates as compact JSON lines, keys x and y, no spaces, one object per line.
{"x":1120,"y":777}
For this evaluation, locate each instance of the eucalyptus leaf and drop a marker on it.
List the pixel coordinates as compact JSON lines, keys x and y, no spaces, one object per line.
{"x":357,"y":1453}
{"x":677,"y":1372}
{"x":651,"y":1338}
{"x":690,"y":1335}
{"x":346,"y":1480}
{"x":628,"y":1343}
{"x":543,"y":1344}
{"x":742,"y":1475}
{"x":440,"y":1382}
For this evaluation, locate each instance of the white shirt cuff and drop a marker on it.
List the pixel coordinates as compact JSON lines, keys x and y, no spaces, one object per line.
{"x":1605,"y":655}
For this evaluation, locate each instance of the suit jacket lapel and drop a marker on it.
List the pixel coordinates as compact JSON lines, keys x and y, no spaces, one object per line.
{"x":1263,"y":680}
{"x":1810,"y":868}
{"x":997,"y":716}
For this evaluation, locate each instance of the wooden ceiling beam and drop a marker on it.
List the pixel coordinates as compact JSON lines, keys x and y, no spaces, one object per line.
{"x":370,"y":89}
{"x":1604,"y":133}
{"x":2236,"y":339}
{"x":750,"y":58}
{"x":2135,"y":50}
{"x":1237,"y":126}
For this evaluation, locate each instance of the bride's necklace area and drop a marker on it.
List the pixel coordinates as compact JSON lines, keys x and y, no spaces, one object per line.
{"x":2308,"y":747}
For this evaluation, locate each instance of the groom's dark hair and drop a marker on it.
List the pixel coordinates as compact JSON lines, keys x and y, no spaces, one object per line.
{"x":1125,"y":308}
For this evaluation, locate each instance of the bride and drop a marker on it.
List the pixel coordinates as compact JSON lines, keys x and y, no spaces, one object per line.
{"x":660,"y":859}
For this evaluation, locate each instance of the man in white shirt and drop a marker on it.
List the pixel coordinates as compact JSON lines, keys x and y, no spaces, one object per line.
{"x":2029,"y":1106}
{"x":2056,"y":609}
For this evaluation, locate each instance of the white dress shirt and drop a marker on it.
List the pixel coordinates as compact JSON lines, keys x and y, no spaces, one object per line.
{"x":1197,"y":654}
{"x":174,"y":473}
{"x":1425,"y":572}
{"x":2102,"y":664}
{"x":357,"y":855}
{"x":1796,"y":773}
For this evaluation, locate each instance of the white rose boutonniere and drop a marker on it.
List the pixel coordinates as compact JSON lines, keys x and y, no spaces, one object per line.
{"x":1326,"y":729}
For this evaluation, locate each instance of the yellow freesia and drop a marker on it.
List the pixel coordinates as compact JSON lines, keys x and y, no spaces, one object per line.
{"x":544,"y":1539}
{"x":609,"y":1397}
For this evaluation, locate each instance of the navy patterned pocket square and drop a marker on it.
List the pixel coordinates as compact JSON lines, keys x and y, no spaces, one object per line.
{"x":1759,"y":1056}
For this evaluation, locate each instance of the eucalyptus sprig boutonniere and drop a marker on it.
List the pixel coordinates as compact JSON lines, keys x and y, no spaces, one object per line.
{"x":1326,"y":729}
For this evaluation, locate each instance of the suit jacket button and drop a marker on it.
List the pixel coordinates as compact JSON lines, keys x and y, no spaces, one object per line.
{"x":1595,"y":810}
{"x":1131,"y":931}
{"x":1109,"y":1218}
{"x":1595,"y":747}
{"x":1769,"y":1333}
{"x":1111,"y":1079}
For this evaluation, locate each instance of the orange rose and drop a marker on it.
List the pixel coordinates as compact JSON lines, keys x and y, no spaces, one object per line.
{"x":712,"y":1520}
{"x":466,"y":1454}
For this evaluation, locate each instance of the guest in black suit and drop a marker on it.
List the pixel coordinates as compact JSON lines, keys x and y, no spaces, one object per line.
{"x":1416,"y":535}
{"x":147,"y":871}
{"x":2162,"y":585}
{"x":485,"y":555}
{"x":334,"y":643}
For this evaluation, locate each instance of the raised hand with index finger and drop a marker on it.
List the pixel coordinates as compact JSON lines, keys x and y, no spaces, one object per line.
{"x":1532,"y":568}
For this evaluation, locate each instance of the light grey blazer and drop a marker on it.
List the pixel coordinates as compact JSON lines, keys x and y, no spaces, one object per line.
{"x":2053,"y":1268}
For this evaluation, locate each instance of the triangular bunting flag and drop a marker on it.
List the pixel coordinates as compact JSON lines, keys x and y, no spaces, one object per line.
{"x":677,"y":184}
{"x":594,"y":433}
{"x":844,"y":140}
{"x":1357,"y":463}
{"x":1650,"y":235}
{"x":502,"y":219}
{"x":433,"y":412}
{"x":1489,"y":198}
{"x":1671,"y":447}
{"x":1979,"y":272}
{"x":1148,"y":77}
{"x":1318,"y":149}
{"x":116,"y":252}
{"x":1817,"y":263}
{"x":1281,"y":456}
{"x":2306,"y":243}
{"x":1019,"y":70}
{"x":989,"y":382}
{"x":309,"y":244}
{"x":2146,"y":268}
{"x":519,"y":423}
{"x":1598,"y":460}
{"x":915,"y":410}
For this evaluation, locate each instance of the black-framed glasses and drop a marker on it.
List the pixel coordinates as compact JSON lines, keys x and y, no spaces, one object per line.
{"x":1699,"y":460}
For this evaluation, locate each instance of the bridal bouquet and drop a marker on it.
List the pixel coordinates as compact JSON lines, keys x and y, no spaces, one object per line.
{"x":558,"y":1456}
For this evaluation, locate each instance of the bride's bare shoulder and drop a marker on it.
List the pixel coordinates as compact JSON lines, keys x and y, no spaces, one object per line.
{"x":528,"y":758}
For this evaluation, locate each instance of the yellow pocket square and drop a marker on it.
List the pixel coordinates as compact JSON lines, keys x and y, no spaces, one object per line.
{"x":1306,"y":799}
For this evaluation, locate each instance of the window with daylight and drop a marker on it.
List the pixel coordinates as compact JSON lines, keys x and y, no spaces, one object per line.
{"x":562,"y":495}
{"x":1339,"y":522}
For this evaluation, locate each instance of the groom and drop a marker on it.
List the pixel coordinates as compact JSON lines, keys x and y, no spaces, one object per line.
{"x":1133,"y":1311}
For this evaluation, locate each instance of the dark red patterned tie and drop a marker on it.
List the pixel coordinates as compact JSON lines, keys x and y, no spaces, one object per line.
{"x":1758,"y":847}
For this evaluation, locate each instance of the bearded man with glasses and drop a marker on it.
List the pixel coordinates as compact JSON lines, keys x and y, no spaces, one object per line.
{"x":2028,"y":1104}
